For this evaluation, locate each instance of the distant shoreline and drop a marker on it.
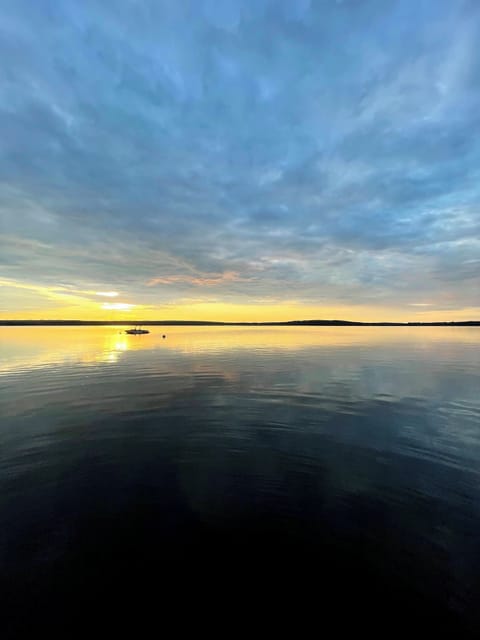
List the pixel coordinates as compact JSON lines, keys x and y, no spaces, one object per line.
{"x":200,"y":323}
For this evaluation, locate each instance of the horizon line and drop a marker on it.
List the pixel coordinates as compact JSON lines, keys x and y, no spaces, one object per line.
{"x":318,"y":321}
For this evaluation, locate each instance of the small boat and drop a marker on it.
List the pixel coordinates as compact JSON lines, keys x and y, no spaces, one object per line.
{"x":136,"y":331}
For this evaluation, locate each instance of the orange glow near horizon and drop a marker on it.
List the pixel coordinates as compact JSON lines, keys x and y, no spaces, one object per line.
{"x":118,"y":306}
{"x":34,"y":302}
{"x":223,"y":312}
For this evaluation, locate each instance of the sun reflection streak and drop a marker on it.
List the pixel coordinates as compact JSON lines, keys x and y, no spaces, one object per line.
{"x":114,"y":346}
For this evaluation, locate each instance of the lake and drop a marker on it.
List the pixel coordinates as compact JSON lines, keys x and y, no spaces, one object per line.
{"x":303,"y":473}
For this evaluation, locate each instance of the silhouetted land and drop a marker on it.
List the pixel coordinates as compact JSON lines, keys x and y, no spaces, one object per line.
{"x":201,"y":323}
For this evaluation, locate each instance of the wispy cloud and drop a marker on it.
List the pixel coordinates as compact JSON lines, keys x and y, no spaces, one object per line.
{"x":198,"y":281}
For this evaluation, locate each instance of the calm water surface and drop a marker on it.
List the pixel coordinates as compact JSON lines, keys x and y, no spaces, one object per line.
{"x":307,"y":470}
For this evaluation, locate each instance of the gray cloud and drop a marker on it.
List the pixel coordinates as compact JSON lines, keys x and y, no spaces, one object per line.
{"x":319,"y":150}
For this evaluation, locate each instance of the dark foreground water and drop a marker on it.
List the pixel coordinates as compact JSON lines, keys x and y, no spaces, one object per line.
{"x":297,"y":478}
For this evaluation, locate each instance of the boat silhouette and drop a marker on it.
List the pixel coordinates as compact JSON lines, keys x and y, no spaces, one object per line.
{"x":137,"y":331}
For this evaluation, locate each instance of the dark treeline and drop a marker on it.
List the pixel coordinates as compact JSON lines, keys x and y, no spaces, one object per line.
{"x":308,"y":323}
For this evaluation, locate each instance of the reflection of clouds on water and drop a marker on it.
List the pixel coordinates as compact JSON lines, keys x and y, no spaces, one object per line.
{"x":355,"y":385}
{"x":24,"y":348}
{"x":370,"y":435}
{"x":276,"y":372}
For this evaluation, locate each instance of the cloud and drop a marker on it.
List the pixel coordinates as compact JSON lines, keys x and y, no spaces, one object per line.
{"x":260,"y":148}
{"x":199,"y":281}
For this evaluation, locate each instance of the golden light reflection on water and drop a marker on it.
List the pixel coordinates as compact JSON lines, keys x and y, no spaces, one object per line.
{"x":34,"y":347}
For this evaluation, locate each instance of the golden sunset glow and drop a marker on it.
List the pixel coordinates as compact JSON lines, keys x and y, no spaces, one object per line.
{"x":32,"y":302}
{"x":117,"y":306}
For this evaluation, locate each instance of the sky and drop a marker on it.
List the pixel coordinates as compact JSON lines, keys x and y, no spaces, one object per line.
{"x":240,"y":159}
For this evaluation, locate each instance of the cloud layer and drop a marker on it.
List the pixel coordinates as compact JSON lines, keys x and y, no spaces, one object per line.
{"x":243,"y":151}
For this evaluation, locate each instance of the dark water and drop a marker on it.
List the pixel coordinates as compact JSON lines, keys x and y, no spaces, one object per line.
{"x":301,"y":477}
